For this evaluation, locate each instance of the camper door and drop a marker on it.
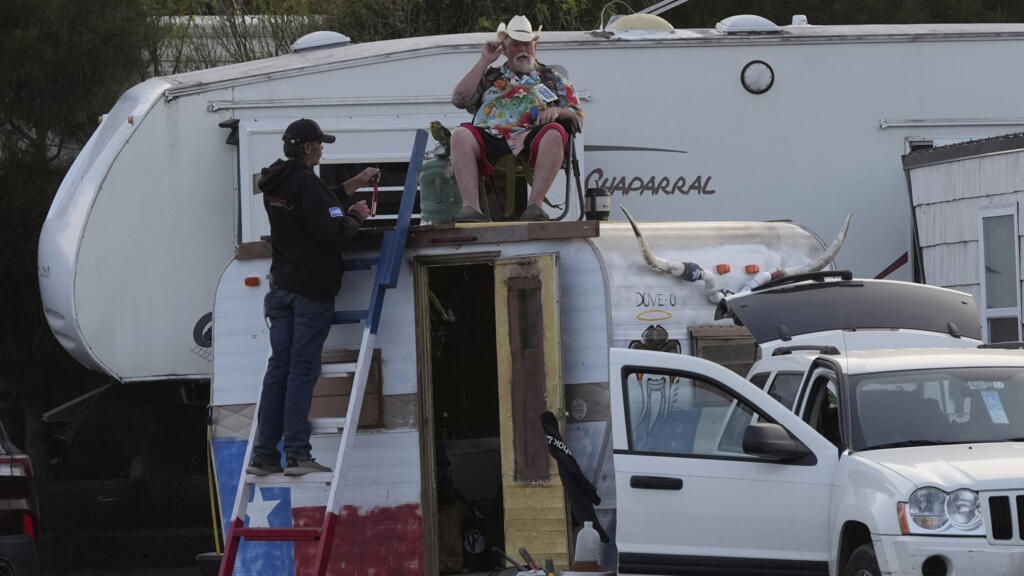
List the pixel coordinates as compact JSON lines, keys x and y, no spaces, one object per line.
{"x":529,"y":350}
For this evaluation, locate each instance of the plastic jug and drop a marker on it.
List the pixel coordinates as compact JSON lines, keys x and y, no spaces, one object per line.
{"x":588,"y":549}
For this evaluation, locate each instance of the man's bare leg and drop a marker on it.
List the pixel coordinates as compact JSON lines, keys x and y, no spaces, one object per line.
{"x":465,"y":156}
{"x":550,"y":151}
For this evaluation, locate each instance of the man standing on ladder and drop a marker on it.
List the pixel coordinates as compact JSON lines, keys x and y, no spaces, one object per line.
{"x":308,"y":230}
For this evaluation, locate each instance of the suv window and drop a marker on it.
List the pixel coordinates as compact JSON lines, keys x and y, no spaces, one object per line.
{"x":822,"y":408}
{"x":682,"y":414}
{"x":785,"y":387}
{"x":952,"y":405}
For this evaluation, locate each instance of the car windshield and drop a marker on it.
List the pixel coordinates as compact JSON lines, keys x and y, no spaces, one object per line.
{"x":947,"y":406}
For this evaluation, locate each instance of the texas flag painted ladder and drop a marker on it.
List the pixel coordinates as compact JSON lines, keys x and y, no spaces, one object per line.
{"x":389,"y":264}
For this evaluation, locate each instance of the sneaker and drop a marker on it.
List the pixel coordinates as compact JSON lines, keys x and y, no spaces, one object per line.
{"x":258,"y":467}
{"x":470,"y":214}
{"x":534,"y":213}
{"x":297,"y":466}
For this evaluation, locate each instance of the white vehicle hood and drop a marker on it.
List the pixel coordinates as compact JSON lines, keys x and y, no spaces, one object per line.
{"x":986,"y":466}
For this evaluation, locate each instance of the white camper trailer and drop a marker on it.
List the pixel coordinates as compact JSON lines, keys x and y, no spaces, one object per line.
{"x":147,"y":218}
{"x":146,"y":251}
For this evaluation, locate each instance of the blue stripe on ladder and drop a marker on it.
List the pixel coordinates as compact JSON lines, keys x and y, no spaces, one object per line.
{"x":393,"y":244}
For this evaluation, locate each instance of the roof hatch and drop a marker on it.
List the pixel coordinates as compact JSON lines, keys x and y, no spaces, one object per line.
{"x":319,"y":39}
{"x":747,"y":24}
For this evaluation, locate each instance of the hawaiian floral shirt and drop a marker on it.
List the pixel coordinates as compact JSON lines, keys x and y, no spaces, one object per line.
{"x":509,"y":103}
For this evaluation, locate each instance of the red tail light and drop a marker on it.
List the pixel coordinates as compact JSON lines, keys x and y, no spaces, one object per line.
{"x":17,"y":465}
{"x":30,"y":525}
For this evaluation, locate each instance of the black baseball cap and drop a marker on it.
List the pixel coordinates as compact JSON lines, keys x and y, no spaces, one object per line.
{"x":305,"y":130}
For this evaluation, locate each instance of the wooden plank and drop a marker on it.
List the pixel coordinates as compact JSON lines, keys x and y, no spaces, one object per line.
{"x":331,"y":393}
{"x":526,"y":345}
{"x":490,"y":232}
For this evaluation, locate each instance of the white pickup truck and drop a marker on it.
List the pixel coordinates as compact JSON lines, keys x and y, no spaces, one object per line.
{"x":832,"y":458}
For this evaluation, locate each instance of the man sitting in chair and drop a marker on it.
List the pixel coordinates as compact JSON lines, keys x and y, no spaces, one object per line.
{"x":516,"y":109}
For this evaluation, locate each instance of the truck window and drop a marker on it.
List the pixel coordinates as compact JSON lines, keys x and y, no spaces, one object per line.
{"x":822,"y":409}
{"x":682,"y":414}
{"x":759,"y":380}
{"x":785,"y":387}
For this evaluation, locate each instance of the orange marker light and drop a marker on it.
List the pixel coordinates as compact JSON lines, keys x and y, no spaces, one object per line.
{"x":252,"y":281}
{"x":753,"y":268}
{"x":901,"y":511}
{"x":722,"y":268}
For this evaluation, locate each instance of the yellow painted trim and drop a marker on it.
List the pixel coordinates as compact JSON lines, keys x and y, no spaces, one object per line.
{"x":535,"y":513}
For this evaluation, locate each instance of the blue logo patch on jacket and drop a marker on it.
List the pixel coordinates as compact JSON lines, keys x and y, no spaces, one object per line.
{"x":336,"y":212}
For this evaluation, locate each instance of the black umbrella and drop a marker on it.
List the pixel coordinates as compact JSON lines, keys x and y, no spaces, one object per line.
{"x":581,"y":493}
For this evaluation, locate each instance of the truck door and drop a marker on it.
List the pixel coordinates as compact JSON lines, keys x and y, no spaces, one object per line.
{"x":689,"y":499}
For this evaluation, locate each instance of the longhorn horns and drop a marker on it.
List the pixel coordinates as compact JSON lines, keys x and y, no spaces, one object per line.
{"x":691,"y":271}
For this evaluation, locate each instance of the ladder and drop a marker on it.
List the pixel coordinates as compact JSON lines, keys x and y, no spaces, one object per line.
{"x":389,"y":264}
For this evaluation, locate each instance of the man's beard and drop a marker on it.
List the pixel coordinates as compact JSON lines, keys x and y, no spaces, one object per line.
{"x":522,"y":64}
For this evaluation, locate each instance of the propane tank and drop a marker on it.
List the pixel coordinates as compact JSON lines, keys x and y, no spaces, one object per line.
{"x":439,"y":194}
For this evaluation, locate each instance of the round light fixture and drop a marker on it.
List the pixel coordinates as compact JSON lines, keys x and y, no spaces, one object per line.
{"x":757,"y":77}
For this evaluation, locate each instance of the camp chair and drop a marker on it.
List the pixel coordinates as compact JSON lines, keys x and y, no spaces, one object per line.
{"x":504,"y":193}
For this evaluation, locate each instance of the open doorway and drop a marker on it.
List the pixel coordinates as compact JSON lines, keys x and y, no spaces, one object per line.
{"x":463,"y":405}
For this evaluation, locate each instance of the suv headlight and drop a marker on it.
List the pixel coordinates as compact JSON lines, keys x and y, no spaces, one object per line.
{"x":932,"y":511}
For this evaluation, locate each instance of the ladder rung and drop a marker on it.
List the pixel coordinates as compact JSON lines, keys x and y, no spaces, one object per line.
{"x":280,"y":480}
{"x":359,"y":263}
{"x":337,"y":368}
{"x":349,"y":316}
{"x":327,"y":425}
{"x":291,"y":534}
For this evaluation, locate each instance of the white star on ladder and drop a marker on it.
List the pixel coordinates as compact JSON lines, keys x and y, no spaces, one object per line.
{"x":259,"y":510}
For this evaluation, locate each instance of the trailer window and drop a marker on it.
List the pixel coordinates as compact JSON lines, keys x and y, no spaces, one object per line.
{"x":389,"y":190}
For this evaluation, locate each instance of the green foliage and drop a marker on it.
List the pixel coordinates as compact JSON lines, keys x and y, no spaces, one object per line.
{"x":62,"y":63}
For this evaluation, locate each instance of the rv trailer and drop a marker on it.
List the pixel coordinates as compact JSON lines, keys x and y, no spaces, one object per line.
{"x":146,"y":250}
{"x":148,"y":215}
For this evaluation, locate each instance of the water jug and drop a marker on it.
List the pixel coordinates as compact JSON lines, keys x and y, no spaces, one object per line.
{"x":588,"y":549}
{"x":439,"y":194}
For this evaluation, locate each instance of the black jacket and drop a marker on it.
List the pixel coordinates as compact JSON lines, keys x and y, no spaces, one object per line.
{"x":308,"y":230}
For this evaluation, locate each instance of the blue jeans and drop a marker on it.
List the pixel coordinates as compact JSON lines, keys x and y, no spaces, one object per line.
{"x":298,"y":330}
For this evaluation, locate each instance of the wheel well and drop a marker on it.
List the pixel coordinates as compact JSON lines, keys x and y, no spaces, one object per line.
{"x":854,"y":535}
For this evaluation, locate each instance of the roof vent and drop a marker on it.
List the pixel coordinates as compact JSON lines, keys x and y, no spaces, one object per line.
{"x":645,"y":22}
{"x":319,"y":39}
{"x":640,"y":27}
{"x":799,"y":20}
{"x":747,"y":24}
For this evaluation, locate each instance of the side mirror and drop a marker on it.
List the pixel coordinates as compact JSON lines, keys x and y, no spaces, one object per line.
{"x":773,"y":441}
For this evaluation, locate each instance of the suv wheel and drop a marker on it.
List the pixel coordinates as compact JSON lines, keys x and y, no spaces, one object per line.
{"x":862,"y":562}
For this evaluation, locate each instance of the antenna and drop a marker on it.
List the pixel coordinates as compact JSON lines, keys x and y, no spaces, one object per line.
{"x":662,"y":6}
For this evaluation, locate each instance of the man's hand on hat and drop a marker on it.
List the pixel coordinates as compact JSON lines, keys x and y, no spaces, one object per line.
{"x":491,"y":51}
{"x":361,"y":208}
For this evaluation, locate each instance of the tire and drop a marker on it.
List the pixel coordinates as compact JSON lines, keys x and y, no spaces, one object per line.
{"x":862,"y":562}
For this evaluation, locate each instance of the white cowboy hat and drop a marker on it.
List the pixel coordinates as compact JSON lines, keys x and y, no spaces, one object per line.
{"x":519,"y":28}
